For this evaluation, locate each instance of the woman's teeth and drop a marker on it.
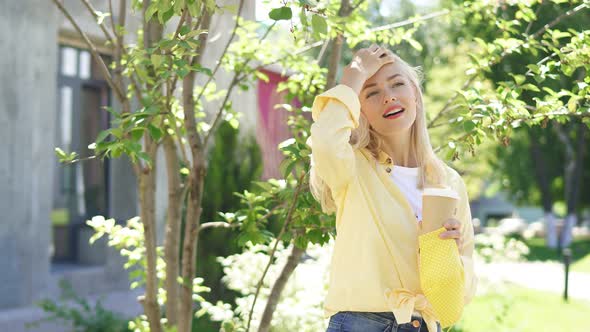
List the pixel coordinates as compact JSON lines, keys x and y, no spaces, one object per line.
{"x":393,"y":113}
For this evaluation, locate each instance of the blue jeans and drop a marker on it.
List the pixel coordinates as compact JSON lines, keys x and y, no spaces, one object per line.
{"x":353,"y":321}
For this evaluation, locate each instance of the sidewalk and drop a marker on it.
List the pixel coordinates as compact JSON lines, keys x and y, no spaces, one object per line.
{"x":543,"y":276}
{"x":124,"y":302}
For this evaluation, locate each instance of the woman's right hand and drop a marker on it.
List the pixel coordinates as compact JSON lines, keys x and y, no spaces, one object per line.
{"x":365,"y":63}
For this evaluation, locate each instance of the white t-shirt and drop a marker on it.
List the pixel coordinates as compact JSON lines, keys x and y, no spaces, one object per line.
{"x":406,"y":179}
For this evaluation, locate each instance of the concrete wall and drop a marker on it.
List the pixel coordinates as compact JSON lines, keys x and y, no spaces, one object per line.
{"x":27,"y":118}
{"x":30,"y":32}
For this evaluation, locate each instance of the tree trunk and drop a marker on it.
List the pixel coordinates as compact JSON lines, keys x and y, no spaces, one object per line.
{"x":543,"y":181}
{"x":574,"y":173}
{"x":147,"y":202}
{"x":195,"y":190}
{"x":172,"y":237}
{"x":279,"y":286}
{"x":296,"y":253}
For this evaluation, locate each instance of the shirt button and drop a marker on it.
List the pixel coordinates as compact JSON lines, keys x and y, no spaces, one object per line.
{"x":388,"y":169}
{"x":416,"y":323}
{"x":389,"y":160}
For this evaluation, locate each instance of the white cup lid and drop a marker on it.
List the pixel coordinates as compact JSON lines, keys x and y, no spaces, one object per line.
{"x":446,"y":192}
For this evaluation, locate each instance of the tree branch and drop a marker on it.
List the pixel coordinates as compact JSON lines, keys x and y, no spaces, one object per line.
{"x":101,"y":25}
{"x":410,"y":21}
{"x":506,"y":52}
{"x":236,"y":79}
{"x":384,"y":27}
{"x":274,"y":249}
{"x":530,"y":25}
{"x":217,"y":224}
{"x":102,"y":66}
{"x":559,"y":19}
{"x":354,"y":7}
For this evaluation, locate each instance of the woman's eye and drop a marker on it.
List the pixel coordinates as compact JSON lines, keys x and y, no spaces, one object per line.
{"x":393,"y":86}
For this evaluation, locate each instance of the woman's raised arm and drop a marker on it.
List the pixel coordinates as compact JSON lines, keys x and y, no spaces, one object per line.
{"x":335,"y":113}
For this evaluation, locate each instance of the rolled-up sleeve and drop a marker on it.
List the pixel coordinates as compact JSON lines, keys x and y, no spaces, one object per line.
{"x":468,"y":241}
{"x":335,"y":113}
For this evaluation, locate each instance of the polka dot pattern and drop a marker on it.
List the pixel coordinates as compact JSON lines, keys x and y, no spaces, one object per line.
{"x":442,"y":276}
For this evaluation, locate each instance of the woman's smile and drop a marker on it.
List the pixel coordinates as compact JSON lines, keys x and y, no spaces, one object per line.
{"x":393,"y":112}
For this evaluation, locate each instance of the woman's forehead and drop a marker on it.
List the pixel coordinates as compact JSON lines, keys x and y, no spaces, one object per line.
{"x":386,"y":71}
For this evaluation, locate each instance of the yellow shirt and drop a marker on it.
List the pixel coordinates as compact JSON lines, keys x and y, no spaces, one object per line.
{"x":375,"y":262}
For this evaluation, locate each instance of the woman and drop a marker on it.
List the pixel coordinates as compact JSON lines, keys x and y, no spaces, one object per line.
{"x":371,"y":158}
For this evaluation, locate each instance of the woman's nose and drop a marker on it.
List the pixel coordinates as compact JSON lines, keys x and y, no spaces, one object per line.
{"x":390,"y":99}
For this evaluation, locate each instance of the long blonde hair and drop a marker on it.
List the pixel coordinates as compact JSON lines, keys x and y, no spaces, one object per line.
{"x":432,"y":171}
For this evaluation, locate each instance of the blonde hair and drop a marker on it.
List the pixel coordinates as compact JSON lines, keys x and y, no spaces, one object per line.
{"x":432,"y":171}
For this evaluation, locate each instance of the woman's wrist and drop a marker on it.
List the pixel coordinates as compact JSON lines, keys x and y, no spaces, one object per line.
{"x":355,"y":82}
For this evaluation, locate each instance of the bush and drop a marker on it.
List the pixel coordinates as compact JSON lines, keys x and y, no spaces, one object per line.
{"x":76,"y":311}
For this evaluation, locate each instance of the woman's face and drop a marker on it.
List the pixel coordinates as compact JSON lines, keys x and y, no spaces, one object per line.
{"x":388,"y":101}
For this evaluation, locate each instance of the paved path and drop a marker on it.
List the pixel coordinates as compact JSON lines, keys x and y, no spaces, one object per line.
{"x":545,"y":276}
{"x":123,"y":302}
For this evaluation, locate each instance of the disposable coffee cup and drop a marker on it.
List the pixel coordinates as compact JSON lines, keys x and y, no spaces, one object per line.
{"x":438,"y":206}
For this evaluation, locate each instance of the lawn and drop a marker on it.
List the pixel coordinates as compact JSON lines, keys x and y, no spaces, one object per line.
{"x":580,"y":253}
{"x":521,"y":309}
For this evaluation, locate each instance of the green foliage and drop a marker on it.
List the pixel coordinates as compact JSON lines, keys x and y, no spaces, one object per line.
{"x":536,"y":70}
{"x":233,"y":163}
{"x":77,"y":311}
{"x":497,"y":248}
{"x":129,"y":241}
{"x":282,"y":13}
{"x":522,"y":309}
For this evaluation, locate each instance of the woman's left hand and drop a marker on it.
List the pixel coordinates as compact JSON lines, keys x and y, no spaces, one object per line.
{"x":453,"y":231}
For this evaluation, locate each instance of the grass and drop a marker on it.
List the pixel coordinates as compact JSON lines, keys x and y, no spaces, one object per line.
{"x":521,"y":309}
{"x":580,"y":252}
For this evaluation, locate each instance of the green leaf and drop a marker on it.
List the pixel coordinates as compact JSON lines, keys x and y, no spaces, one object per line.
{"x":60,"y":153}
{"x":152,"y":9}
{"x":415,"y":44}
{"x":319,"y":25}
{"x":301,"y":242}
{"x":468,"y":125}
{"x":155,"y":132}
{"x":178,"y":6}
{"x":572,"y":104}
{"x":534,"y":68}
{"x":144,"y":156}
{"x":102,"y":135}
{"x":184,"y":30}
{"x":286,"y":166}
{"x":137,"y":133}
{"x":531,"y":87}
{"x":166,"y":15}
{"x":234,"y":123}
{"x":157,"y":60}
{"x":193,"y":8}
{"x":519,"y":79}
{"x":261,"y":76}
{"x":303,"y":17}
{"x":282,"y":13}
{"x":203,"y":70}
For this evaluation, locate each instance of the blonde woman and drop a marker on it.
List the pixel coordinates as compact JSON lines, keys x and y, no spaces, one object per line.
{"x":371,"y":159}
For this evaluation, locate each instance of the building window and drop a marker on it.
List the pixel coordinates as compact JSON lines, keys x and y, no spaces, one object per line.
{"x":80,"y":189}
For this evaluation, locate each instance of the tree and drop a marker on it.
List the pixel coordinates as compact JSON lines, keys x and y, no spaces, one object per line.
{"x":547,"y":64}
{"x":148,"y":73}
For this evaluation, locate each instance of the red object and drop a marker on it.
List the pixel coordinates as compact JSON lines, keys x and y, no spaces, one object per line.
{"x":272,"y":127}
